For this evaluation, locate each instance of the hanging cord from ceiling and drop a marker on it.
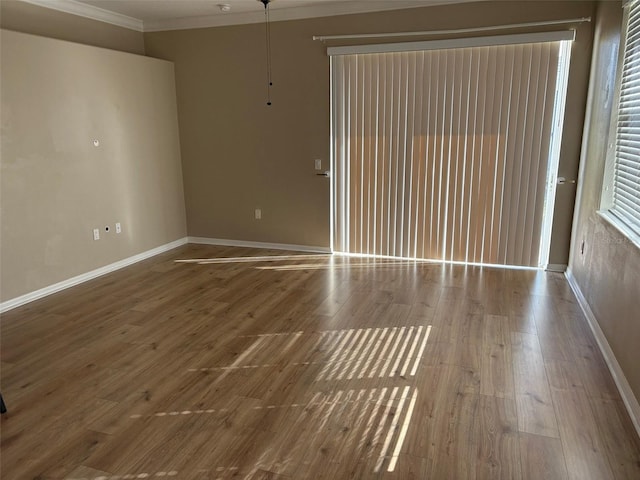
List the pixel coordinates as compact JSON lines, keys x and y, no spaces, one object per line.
{"x":267,"y":31}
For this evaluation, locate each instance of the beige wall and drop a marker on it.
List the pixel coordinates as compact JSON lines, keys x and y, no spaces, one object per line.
{"x":27,"y":18}
{"x":239,"y":154}
{"x":56,"y":186}
{"x":608,"y":272}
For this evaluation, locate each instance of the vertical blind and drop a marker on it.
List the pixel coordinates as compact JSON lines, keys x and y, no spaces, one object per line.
{"x":443,"y":154}
{"x":626,"y":173}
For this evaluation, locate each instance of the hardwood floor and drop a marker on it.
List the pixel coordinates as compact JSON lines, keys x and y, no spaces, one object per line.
{"x":309,"y":367}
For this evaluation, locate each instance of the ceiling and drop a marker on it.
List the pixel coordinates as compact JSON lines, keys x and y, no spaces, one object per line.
{"x":153,"y":15}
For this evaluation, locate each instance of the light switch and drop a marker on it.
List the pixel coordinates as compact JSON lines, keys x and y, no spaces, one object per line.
{"x":318,"y":164}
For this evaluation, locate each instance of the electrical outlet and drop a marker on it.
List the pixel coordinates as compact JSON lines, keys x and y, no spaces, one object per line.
{"x":96,"y":234}
{"x":258,"y":214}
{"x":118,"y":228}
{"x":318,"y":163}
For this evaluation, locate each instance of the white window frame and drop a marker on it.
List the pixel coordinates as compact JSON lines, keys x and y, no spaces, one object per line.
{"x":626,"y":222}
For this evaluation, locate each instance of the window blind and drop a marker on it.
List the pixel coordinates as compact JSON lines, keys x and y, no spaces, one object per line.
{"x":626,"y":172}
{"x":443,"y":154}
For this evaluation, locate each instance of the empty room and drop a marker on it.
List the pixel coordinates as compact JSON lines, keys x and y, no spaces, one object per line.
{"x":319,"y":239}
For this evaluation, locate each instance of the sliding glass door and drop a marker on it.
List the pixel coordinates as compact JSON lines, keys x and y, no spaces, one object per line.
{"x":445,"y":154}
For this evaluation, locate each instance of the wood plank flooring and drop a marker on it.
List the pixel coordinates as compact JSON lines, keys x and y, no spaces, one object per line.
{"x":309,"y":367}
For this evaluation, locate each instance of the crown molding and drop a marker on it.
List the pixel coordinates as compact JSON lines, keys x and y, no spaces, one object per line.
{"x":294,"y":13}
{"x":89,"y":11}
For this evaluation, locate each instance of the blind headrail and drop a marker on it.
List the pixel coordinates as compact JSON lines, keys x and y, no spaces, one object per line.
{"x":487,"y":41}
{"x":323,"y":38}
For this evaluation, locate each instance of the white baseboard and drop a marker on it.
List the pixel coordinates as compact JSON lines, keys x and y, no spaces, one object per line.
{"x":556,"y":267}
{"x":43,"y":292}
{"x":56,"y":287}
{"x":629,"y":399}
{"x":242,"y":243}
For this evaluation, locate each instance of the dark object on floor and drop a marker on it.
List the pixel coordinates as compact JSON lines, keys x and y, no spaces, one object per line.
{"x":3,"y":407}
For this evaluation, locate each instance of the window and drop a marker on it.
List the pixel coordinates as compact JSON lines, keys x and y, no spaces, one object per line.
{"x":621,"y":192}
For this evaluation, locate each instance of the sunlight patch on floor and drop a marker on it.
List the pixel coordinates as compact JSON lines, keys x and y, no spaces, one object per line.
{"x":377,"y":419}
{"x":130,"y":476}
{"x":268,"y":258}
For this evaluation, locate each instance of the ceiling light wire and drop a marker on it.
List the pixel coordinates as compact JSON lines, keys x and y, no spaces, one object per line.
{"x":267,"y":32}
